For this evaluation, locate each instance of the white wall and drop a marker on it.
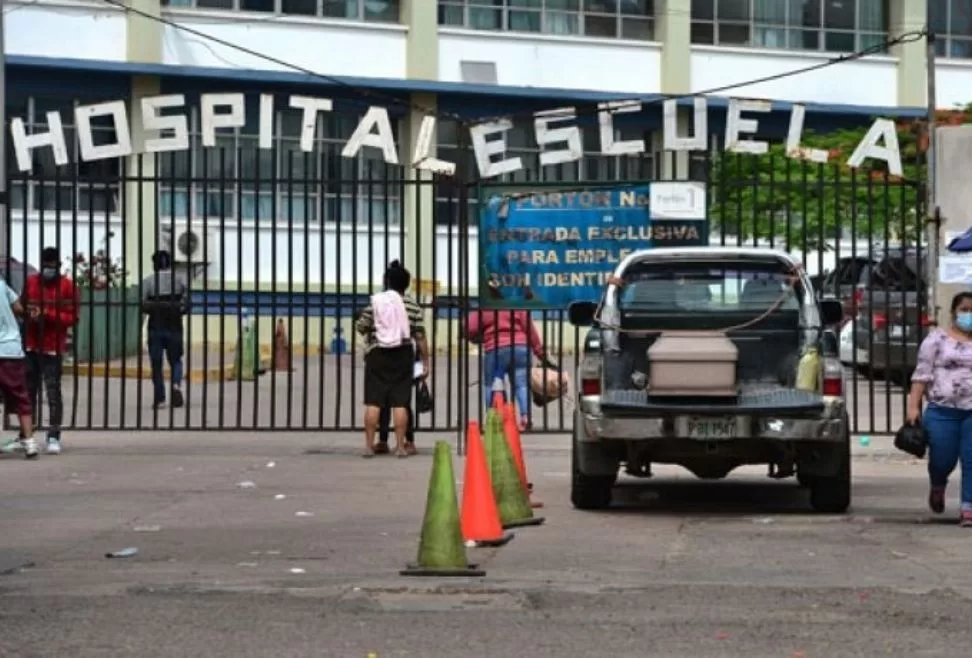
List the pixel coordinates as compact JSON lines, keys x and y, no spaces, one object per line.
{"x":872,"y":81}
{"x":547,"y":61}
{"x":332,"y":47}
{"x":953,"y":83}
{"x":77,"y":30}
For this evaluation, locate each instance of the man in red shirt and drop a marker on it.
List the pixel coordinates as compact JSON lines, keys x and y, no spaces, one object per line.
{"x":51,"y":301}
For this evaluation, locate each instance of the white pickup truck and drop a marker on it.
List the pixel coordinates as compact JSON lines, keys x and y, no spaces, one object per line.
{"x":763,"y":384}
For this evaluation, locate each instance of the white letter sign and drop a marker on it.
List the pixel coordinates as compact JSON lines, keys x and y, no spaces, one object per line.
{"x":547,"y":135}
{"x":177,"y":123}
{"x":423,"y":148}
{"x":235,"y":118}
{"x":735,"y":124}
{"x":605,"y":117}
{"x":384,"y":139}
{"x":697,"y":142}
{"x":24,"y":143}
{"x":265,"y":140}
{"x":793,"y":147}
{"x":123,"y":138}
{"x":311,"y":106}
{"x":484,"y":150}
{"x":868,"y":148}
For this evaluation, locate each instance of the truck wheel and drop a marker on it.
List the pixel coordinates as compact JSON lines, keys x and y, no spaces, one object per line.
{"x":589,"y":492}
{"x":832,"y":494}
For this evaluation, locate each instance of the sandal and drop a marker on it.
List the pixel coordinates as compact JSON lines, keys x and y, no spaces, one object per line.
{"x":411,"y":449}
{"x":401,"y":453}
{"x":368,"y":452}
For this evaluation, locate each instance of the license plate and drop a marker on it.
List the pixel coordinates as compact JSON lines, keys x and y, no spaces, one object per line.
{"x":897,"y":331}
{"x":710,"y":428}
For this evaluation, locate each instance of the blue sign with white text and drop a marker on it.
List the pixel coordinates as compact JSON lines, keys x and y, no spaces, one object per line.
{"x":543,"y":250}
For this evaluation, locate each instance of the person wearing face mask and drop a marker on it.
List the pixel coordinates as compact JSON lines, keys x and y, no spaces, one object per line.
{"x":51,"y":301}
{"x":943,"y":377}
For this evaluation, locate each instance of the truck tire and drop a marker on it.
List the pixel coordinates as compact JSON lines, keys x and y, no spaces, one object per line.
{"x":832,"y":494}
{"x":588,"y":492}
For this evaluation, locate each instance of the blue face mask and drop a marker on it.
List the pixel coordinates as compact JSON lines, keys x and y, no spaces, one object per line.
{"x":964,"y":321}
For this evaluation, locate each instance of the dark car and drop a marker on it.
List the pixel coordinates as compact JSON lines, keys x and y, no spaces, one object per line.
{"x":894,"y":313}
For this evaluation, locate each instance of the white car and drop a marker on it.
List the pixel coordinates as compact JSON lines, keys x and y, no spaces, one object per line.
{"x":847,"y":347}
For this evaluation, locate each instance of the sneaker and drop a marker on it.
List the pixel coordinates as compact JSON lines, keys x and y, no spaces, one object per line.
{"x":381,"y":448}
{"x":11,"y":446}
{"x":936,"y":499}
{"x":53,"y":446}
{"x":966,"y":519}
{"x":159,"y":405}
{"x":177,"y":399}
{"x":29,"y":447}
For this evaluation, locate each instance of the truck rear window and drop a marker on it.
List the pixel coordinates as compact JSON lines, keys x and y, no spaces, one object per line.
{"x":707,"y":287}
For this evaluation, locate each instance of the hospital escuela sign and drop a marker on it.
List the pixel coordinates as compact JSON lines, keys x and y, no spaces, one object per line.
{"x":559,"y":141}
{"x":538,"y":250}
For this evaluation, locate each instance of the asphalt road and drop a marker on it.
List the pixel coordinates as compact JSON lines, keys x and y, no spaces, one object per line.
{"x":305,"y":562}
{"x":325,"y":392}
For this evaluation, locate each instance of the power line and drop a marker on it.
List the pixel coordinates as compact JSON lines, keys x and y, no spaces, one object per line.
{"x":369,"y":93}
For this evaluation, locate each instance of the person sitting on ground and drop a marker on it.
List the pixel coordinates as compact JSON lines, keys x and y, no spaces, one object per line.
{"x":388,"y":325}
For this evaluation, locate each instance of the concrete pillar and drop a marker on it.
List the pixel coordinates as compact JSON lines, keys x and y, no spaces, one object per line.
{"x":954,"y":197}
{"x":673,"y":29}
{"x":421,"y":63}
{"x":143,"y":44}
{"x":140,"y":191}
{"x":907,"y":16}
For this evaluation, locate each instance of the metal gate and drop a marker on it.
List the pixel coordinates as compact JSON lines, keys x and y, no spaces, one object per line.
{"x":292,"y":244}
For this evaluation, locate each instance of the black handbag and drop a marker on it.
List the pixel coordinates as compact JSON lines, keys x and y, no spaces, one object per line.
{"x":912,"y":439}
{"x":423,"y":398}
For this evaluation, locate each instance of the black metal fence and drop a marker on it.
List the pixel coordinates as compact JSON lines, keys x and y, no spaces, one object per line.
{"x":272,"y":240}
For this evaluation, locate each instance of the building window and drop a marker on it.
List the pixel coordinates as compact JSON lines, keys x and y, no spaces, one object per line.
{"x":90,"y":188}
{"x":381,"y":11}
{"x":621,"y":19}
{"x":237,"y":180}
{"x":592,"y":167}
{"x":952,"y":23}
{"x":822,"y":25}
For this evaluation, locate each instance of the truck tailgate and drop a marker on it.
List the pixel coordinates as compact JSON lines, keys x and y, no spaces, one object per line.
{"x":777,"y":401}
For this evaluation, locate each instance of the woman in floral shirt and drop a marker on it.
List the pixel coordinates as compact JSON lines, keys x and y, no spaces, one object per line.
{"x":943,"y":376}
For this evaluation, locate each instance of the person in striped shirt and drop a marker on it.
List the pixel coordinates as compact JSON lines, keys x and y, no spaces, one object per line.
{"x":390,"y":371}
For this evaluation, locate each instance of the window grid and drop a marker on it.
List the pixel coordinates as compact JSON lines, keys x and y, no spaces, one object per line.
{"x":288,"y":185}
{"x":623,"y":19}
{"x":372,"y":11}
{"x":90,"y":187}
{"x":952,"y":23}
{"x":810,"y":25}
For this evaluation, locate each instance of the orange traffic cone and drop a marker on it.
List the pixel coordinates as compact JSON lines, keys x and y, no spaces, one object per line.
{"x":281,"y":348}
{"x":480,"y":516}
{"x":512,"y":432}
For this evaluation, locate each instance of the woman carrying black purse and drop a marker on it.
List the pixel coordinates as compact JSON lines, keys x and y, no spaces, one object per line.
{"x":943,"y":377}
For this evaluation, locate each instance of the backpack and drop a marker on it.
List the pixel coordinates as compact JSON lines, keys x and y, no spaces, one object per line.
{"x":391,"y":319}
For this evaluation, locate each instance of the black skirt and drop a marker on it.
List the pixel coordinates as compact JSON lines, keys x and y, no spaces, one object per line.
{"x":388,"y":376}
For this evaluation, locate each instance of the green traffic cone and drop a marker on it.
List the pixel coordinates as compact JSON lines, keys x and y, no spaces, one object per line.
{"x":511,"y":497}
{"x":246,"y":355}
{"x":493,"y":422}
{"x":441,"y":548}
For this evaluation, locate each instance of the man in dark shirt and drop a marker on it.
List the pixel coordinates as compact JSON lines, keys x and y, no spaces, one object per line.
{"x":165,"y":301}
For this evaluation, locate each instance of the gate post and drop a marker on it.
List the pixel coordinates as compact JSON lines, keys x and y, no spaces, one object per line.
{"x":953,"y":196}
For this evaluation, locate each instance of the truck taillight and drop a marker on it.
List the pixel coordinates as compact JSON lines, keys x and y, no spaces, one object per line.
{"x":833,"y":378}
{"x":879,"y":321}
{"x":590,"y":386}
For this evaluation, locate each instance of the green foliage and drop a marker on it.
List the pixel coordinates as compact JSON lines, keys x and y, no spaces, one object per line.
{"x":796,"y":202}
